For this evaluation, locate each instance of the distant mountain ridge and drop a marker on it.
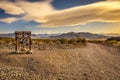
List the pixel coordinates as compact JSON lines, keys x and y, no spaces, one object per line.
{"x":112,"y":34}
{"x":12,"y":35}
{"x":80,"y":35}
{"x":114,"y":38}
{"x":7,"y":35}
{"x":63,"y":35}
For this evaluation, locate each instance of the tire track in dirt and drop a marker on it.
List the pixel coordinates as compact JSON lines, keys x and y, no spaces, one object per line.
{"x":101,"y":61}
{"x":91,"y":62}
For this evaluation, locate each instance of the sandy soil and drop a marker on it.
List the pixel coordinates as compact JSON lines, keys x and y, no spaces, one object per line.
{"x":91,"y":62}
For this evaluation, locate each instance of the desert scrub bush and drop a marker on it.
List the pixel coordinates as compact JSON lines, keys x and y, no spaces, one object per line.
{"x":111,"y":42}
{"x":84,"y":40}
{"x":63,"y":41}
{"x":1,"y":42}
{"x":43,"y":41}
{"x":72,"y":41}
{"x":48,"y":41}
{"x":113,"y":38}
{"x":81,"y":41}
{"x":57,"y":42}
{"x":7,"y":40}
{"x":118,"y":43}
{"x":36,"y":41}
{"x":96,"y":41}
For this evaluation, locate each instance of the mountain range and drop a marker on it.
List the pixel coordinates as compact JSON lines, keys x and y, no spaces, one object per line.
{"x":81,"y":35}
{"x":12,"y":35}
{"x":64,"y":35}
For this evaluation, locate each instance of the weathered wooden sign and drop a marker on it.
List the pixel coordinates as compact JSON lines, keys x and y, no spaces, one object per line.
{"x":23,"y":41}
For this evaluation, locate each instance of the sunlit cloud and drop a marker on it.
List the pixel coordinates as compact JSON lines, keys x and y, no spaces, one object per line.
{"x":106,"y":11}
{"x":36,"y":10}
{"x":10,"y":8}
{"x":43,"y":12}
{"x":8,"y":20}
{"x":31,"y":10}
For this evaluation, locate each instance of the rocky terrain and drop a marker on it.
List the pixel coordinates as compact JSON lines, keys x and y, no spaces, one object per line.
{"x":90,"y":62}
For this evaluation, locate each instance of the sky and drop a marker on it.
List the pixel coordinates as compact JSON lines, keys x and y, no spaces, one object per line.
{"x":60,"y":16}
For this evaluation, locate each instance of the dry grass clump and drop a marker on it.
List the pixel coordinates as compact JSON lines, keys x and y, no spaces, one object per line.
{"x":106,"y":42}
{"x":60,"y":41}
{"x":42,"y":44}
{"x":9,"y":42}
{"x":6,"y":40}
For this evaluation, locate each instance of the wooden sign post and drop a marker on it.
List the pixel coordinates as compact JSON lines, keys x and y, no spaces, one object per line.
{"x":23,"y":41}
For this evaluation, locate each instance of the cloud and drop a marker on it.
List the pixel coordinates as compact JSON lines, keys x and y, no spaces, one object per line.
{"x":43,"y":12}
{"x":10,"y":7}
{"x":33,"y":10}
{"x":8,"y":20}
{"x":106,"y":11}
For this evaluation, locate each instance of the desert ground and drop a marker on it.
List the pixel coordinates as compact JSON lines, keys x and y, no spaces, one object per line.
{"x":90,"y":62}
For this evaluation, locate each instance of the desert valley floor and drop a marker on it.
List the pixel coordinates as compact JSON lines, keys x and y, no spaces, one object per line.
{"x":91,"y":62}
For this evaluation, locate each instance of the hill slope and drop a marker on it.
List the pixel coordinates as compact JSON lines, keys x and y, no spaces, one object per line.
{"x":63,"y":35}
{"x":92,"y":62}
{"x":114,"y":38}
{"x":80,"y":35}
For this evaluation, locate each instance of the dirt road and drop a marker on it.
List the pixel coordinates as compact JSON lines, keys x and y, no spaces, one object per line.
{"x":91,"y":62}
